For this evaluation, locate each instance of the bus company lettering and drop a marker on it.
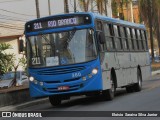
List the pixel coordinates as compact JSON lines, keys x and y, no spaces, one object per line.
{"x":62,"y":22}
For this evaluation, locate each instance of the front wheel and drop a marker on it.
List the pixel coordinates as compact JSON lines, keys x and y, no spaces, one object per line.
{"x":110,"y":93}
{"x":55,"y":101}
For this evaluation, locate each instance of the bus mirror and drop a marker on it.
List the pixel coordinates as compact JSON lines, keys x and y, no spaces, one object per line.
{"x":21,"y":45}
{"x":101,"y":37}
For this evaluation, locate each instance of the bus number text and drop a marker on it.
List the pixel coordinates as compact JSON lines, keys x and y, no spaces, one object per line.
{"x":36,"y":61}
{"x":37,"y":26}
{"x":74,"y":75}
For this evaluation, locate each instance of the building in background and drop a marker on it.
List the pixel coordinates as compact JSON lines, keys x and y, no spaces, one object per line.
{"x":131,"y":12}
{"x":12,"y":38}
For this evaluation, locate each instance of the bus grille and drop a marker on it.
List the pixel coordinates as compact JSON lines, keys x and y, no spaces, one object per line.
{"x":60,"y":70}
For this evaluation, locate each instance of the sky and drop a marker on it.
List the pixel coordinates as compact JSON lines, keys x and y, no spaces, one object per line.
{"x":28,"y":7}
{"x":14,"y":13}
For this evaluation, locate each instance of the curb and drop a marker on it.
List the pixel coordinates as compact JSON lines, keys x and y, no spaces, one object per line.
{"x":24,"y":105}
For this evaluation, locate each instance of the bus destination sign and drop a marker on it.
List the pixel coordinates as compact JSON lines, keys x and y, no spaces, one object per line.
{"x":57,"y":22}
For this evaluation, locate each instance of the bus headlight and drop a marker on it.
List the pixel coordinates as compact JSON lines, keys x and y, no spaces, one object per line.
{"x":94,"y":71}
{"x":31,"y":79}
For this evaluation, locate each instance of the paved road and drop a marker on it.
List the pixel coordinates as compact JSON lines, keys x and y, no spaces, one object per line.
{"x":146,"y":100}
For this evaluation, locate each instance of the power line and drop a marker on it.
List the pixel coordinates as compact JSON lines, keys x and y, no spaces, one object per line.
{"x":9,"y":19}
{"x":12,"y":17}
{"x":16,"y":12}
{"x":11,"y":27}
{"x":10,"y":1}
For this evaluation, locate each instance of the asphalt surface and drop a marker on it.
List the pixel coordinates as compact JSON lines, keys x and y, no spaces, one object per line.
{"x":146,"y":100}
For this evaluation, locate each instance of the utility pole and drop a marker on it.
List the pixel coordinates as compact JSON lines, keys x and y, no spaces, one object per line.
{"x":105,"y":6}
{"x":131,"y":11}
{"x":49,"y":7}
{"x":75,"y":6}
{"x":37,"y":8}
{"x":66,"y":7}
{"x":91,"y":5}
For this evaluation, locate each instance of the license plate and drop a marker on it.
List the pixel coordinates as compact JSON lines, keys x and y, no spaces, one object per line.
{"x":61,"y":88}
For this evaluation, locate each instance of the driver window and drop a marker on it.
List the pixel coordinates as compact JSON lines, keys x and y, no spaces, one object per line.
{"x":99,"y":25}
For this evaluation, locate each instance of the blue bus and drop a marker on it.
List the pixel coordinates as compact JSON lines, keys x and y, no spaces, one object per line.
{"x":85,"y":54}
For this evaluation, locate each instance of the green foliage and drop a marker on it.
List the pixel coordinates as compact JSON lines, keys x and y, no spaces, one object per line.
{"x":6,"y":60}
{"x":114,"y":8}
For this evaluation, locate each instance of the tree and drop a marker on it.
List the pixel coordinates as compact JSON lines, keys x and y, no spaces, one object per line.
{"x":149,"y":13}
{"x":84,"y":5}
{"x":6,"y":61}
{"x":119,"y":8}
{"x":100,"y":4}
{"x":156,"y":21}
{"x":21,"y":61}
{"x":66,"y":7}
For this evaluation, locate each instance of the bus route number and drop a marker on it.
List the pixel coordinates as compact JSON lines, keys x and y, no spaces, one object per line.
{"x":37,"y":26}
{"x":36,"y":61}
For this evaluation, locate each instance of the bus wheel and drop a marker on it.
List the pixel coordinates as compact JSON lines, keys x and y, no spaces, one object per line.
{"x":129,"y":89}
{"x":138,"y":85}
{"x":109,"y":94}
{"x":55,"y":101}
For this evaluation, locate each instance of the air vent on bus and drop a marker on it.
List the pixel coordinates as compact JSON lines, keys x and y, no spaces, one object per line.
{"x":60,"y":70}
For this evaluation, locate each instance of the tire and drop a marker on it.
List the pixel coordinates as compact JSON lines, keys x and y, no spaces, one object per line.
{"x":110,"y":93}
{"x":138,"y":85}
{"x":129,"y":89}
{"x":55,"y":101}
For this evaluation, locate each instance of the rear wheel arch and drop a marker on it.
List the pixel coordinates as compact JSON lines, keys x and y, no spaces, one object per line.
{"x":139,"y":70}
{"x":114,"y":77}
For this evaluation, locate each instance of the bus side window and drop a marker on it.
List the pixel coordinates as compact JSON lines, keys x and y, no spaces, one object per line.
{"x":139,"y":40}
{"x":145,"y":35}
{"x":134,"y":39}
{"x":129,"y":38}
{"x":99,"y":27}
{"x":109,"y":35}
{"x":123,"y":36}
{"x":143,"y":39}
{"x":118,"y":42}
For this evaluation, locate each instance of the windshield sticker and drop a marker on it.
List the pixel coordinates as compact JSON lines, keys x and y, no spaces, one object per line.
{"x":64,"y":60}
{"x":52,"y":61}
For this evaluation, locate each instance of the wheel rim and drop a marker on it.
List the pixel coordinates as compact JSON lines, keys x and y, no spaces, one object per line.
{"x":112,"y":87}
{"x":139,"y":81}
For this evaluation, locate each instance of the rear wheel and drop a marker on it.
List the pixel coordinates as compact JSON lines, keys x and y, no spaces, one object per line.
{"x":138,"y":85}
{"x":129,"y":89}
{"x":55,"y":101}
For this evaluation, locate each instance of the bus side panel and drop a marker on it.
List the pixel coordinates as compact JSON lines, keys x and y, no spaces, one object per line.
{"x":109,"y":62}
{"x":146,"y":70}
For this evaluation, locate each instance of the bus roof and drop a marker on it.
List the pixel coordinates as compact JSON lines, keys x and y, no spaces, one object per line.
{"x":97,"y":16}
{"x":117,"y":21}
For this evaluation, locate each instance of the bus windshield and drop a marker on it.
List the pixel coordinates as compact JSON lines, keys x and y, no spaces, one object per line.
{"x":61,"y":48}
